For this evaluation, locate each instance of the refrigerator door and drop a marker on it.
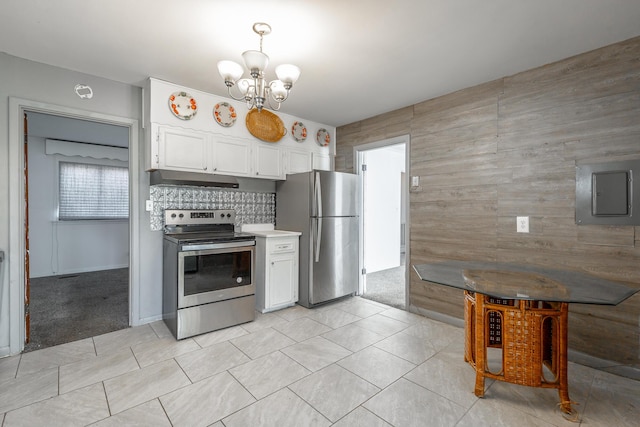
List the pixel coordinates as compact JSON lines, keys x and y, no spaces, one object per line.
{"x":333,"y":258}
{"x":334,"y":194}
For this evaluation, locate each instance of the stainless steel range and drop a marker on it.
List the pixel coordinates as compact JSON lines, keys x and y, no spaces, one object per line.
{"x":208,"y":272}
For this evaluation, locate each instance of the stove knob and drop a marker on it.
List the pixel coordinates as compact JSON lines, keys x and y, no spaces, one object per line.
{"x":221,"y":215}
{"x":173,"y":215}
{"x":228,"y":215}
{"x":181,"y":215}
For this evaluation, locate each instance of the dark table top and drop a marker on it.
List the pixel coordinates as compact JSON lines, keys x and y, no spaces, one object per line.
{"x":524,"y":282}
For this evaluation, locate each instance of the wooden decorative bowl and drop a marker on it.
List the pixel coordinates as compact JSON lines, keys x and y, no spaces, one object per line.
{"x":265,"y":125}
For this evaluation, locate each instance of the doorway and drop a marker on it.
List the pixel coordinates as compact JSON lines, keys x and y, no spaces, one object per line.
{"x":17,"y":212}
{"x":77,"y":208}
{"x":384,"y":233}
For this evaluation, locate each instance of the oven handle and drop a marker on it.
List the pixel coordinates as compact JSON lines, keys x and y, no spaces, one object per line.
{"x":226,"y":245}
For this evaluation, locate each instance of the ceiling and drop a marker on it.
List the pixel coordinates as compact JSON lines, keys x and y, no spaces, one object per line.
{"x":359,"y":58}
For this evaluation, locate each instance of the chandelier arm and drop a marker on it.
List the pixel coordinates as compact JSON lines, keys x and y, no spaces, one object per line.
{"x":269,"y":98}
{"x":241,"y":98}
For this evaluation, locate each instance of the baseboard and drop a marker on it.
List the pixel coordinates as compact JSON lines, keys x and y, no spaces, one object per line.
{"x":444,"y":318}
{"x":146,"y":320}
{"x":5,"y":351}
{"x":81,"y":270}
{"x":616,"y":368}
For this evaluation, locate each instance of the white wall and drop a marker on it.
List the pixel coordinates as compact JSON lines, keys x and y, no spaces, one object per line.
{"x":382,"y":208}
{"x":64,"y":247}
{"x":39,"y":83}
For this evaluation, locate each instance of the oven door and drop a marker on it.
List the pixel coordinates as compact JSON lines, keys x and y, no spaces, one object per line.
{"x":214,"y":273}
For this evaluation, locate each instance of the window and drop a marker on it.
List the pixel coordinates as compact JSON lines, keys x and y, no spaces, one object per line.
{"x":88,"y":191}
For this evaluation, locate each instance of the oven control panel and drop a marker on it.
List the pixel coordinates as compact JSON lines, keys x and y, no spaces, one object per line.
{"x":199,"y":217}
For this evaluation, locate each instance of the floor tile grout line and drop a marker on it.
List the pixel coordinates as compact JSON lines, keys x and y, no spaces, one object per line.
{"x":164,"y":410}
{"x":106,"y":398}
{"x":588,"y":397}
{"x":307,"y":402}
{"x":433,"y":391}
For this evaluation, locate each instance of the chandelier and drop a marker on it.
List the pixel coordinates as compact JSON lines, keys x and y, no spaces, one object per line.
{"x":255,"y":91}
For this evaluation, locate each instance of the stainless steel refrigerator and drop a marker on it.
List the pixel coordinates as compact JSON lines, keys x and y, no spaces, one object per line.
{"x":323,"y":206}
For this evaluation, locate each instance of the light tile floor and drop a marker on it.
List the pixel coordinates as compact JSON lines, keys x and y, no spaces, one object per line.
{"x":352,"y":363}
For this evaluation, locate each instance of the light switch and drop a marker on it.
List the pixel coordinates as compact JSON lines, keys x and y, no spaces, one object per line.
{"x":522,"y":224}
{"x":149,"y":205}
{"x":415,"y":181}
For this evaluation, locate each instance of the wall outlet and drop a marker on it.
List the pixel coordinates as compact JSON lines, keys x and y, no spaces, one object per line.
{"x":522,"y":224}
{"x":149,"y":205}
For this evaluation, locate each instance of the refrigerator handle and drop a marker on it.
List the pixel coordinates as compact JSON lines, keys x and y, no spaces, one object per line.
{"x":318,"y":238}
{"x":318,"y":195}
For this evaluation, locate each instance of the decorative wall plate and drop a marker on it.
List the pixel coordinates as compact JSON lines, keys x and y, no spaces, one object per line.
{"x":182,"y":105}
{"x":225,"y":114}
{"x":299,"y":131}
{"x":323,"y":137}
{"x":265,"y":125}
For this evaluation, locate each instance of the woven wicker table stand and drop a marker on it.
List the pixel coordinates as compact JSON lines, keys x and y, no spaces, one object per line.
{"x":532,"y":336}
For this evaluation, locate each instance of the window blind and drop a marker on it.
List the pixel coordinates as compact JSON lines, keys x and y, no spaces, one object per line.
{"x":88,"y":191}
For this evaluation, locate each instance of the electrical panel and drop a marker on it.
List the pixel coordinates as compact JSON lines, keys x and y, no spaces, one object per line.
{"x":606,"y":194}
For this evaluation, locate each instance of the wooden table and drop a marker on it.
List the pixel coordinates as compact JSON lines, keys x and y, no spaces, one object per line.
{"x":523,"y":312}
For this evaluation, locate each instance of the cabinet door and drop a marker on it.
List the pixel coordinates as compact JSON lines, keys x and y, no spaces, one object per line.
{"x":282,"y":277}
{"x":299,"y":161}
{"x":321,"y":161}
{"x":185,"y":150}
{"x":231,"y":157}
{"x":268,"y":162}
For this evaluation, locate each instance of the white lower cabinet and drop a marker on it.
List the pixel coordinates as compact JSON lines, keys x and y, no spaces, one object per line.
{"x":277,"y":259}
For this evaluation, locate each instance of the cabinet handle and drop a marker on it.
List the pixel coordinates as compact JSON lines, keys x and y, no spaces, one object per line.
{"x":257,"y":173}
{"x":273,"y":263}
{"x":205,"y":168}
{"x":215,"y":169}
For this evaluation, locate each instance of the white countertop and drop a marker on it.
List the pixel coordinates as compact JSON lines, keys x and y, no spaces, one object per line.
{"x":275,"y":233}
{"x":267,"y":230}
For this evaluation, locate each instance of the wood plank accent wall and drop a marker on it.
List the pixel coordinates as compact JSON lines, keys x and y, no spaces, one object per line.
{"x":509,"y":148}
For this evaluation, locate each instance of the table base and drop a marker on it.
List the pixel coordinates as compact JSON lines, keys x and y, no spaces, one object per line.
{"x":532,"y":336}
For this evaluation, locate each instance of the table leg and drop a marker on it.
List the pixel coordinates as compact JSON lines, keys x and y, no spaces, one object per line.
{"x":563,"y":380}
{"x":480,"y":345}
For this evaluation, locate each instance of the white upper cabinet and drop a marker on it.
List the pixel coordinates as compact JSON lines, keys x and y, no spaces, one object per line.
{"x":231,"y":157}
{"x":185,"y":150}
{"x":268,"y":161}
{"x":298,"y":161}
{"x":196,"y":142}
{"x":321,"y":161}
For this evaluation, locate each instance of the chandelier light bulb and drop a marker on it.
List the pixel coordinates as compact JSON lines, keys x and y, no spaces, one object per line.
{"x":230,"y":71}
{"x":288,"y":73}
{"x":255,"y":60}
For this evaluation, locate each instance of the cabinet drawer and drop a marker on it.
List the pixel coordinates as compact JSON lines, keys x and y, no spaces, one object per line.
{"x":282,"y":247}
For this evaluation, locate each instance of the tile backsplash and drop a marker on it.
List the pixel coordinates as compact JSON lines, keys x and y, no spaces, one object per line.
{"x":251,"y":207}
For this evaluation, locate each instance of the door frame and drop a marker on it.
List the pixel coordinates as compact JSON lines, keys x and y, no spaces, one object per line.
{"x":16,"y":291}
{"x":358,"y":156}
